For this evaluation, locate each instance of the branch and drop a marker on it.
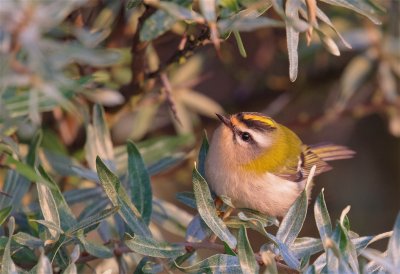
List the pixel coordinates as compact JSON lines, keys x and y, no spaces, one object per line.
{"x":185,"y":50}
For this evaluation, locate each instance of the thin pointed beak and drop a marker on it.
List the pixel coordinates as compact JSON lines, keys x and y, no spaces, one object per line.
{"x":225,"y":120}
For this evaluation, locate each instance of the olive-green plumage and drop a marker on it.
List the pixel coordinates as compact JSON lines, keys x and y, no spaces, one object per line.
{"x":283,"y":152}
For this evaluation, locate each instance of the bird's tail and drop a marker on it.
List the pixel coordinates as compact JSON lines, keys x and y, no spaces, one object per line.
{"x":331,"y":152}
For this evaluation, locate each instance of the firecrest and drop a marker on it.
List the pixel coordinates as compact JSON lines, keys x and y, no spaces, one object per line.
{"x":263,"y":165}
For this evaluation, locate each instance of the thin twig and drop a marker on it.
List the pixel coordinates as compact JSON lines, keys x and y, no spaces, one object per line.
{"x":168,"y":92}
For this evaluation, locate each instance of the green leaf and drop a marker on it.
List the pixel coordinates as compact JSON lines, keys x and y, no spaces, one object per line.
{"x":170,"y":217}
{"x":310,"y":270}
{"x":187,"y":198}
{"x":286,"y":253}
{"x":25,"y":170}
{"x":49,"y":210}
{"x":394,"y":243}
{"x":152,"y":267}
{"x":85,"y":173}
{"x":322,"y":218}
{"x":219,"y":263}
{"x":16,"y":185}
{"x":380,"y":260}
{"x":49,"y":225}
{"x":247,"y":260}
{"x":179,"y":12}
{"x":292,"y":38}
{"x":82,"y":194}
{"x":197,"y":230}
{"x":362,"y":242}
{"x":293,"y":220}
{"x":155,"y":149}
{"x":93,"y":248}
{"x":335,"y":262}
{"x":43,"y":266}
{"x":71,"y":268}
{"x":202,"y":155}
{"x":92,"y":220}
{"x":246,"y":24}
{"x":157,"y":24}
{"x":360,"y":6}
{"x":67,"y":219}
{"x":306,"y":246}
{"x":140,"y":265}
{"x":139,"y":182}
{"x":208,"y":9}
{"x":4,"y":213}
{"x":239,"y":43}
{"x":93,"y":208}
{"x":133,"y":4}
{"x":150,"y":247}
{"x":166,"y":163}
{"x":354,"y":76}
{"x":207,"y":210}
{"x":98,"y":140}
{"x":268,"y":259}
{"x":7,"y":265}
{"x":118,"y":197}
{"x":228,"y":250}
{"x":28,"y":240}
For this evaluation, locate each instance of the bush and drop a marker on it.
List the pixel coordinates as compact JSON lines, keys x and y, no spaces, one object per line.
{"x":68,"y":206}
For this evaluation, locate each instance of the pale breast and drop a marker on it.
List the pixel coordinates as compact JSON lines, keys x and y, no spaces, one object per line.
{"x":268,"y":193}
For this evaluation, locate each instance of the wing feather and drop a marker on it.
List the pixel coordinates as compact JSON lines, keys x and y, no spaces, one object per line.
{"x":317,"y":155}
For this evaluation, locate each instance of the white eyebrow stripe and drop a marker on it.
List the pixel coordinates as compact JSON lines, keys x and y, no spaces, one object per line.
{"x":259,"y":137}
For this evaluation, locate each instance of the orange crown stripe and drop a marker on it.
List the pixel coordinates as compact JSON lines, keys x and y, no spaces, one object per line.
{"x":265,"y":120}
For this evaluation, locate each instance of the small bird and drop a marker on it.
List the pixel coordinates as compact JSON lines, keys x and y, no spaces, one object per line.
{"x":261,"y":164}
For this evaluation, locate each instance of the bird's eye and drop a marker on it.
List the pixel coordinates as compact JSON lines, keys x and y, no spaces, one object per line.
{"x":245,"y":136}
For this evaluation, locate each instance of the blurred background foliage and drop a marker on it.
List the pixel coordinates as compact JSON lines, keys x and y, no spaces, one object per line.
{"x":162,"y":69}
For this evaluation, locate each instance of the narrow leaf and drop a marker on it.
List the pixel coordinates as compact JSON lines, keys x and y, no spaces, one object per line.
{"x":247,"y":260}
{"x":394,"y":243}
{"x":360,"y":6}
{"x":49,"y":210}
{"x":67,"y":219}
{"x":28,"y":240}
{"x":292,"y":38}
{"x":7,"y":265}
{"x":219,"y":263}
{"x":94,"y":208}
{"x":322,"y":218}
{"x":268,"y":259}
{"x":187,"y":198}
{"x":139,"y":182}
{"x":4,"y":213}
{"x":239,"y":43}
{"x":156,"y":25}
{"x":197,"y":230}
{"x":293,"y":220}
{"x":207,"y":210}
{"x":170,"y":217}
{"x":94,"y":249}
{"x":202,"y":155}
{"x":92,"y":220}
{"x":303,"y":247}
{"x":71,"y":268}
{"x":118,"y":196}
{"x":44,"y":264}
{"x":150,"y":247}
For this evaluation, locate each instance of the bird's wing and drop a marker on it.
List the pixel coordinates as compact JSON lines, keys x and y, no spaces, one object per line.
{"x":317,"y":155}
{"x":298,"y":171}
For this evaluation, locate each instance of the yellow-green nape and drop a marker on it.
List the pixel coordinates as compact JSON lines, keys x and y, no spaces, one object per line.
{"x":260,"y":118}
